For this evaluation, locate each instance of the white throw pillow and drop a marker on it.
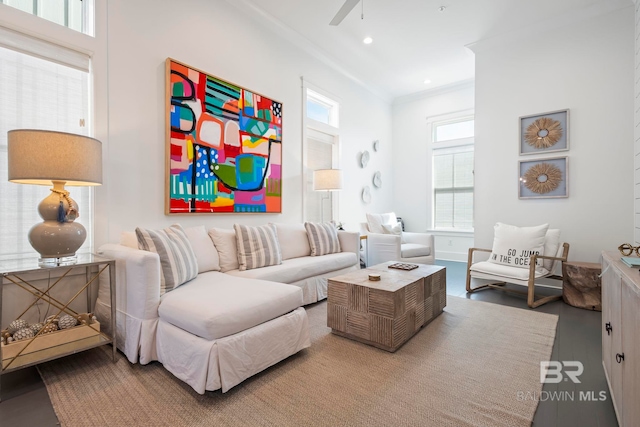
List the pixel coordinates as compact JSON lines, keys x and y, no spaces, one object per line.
{"x":513,"y":246}
{"x":225,"y":243}
{"x":208,"y":258}
{"x":257,"y":246}
{"x":178,"y":263}
{"x":393,"y":229}
{"x":129,"y":239}
{"x":293,"y":240}
{"x":376,"y":221}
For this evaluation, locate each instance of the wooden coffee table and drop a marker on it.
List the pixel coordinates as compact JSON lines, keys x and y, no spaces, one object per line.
{"x":385,"y":313}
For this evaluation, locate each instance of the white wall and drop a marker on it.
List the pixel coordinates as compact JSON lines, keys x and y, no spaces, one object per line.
{"x":412,"y":164}
{"x":217,"y":38}
{"x":636,"y":122}
{"x":588,"y":68}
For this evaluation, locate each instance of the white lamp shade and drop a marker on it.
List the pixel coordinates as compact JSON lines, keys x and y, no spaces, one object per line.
{"x":327,"y":179}
{"x":41,"y":156}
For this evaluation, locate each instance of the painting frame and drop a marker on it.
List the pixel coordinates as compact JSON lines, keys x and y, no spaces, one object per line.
{"x":223,"y":145}
{"x":547,"y":168}
{"x":557,"y":138}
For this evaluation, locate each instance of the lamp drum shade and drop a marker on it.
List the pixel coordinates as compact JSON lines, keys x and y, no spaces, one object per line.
{"x":327,"y":179}
{"x":41,"y":156}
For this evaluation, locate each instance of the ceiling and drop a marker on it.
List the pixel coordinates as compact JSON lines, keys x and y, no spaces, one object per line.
{"x":412,"y":40}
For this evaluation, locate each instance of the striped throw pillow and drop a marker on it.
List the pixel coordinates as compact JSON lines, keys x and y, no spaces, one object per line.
{"x":257,"y":246}
{"x":178,"y":262}
{"x":323,"y":238}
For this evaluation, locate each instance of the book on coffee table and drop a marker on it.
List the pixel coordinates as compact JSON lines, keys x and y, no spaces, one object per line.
{"x":403,"y":266}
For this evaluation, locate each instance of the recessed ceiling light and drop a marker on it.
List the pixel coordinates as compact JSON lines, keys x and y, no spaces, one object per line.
{"x":427,"y":81}
{"x":442,"y":8}
{"x":367,"y":40}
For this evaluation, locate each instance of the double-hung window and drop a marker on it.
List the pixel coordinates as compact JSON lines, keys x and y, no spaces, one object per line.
{"x":42,"y":86}
{"x":452,"y":153}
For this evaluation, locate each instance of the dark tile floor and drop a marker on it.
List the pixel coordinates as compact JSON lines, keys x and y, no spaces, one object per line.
{"x":25,"y":401}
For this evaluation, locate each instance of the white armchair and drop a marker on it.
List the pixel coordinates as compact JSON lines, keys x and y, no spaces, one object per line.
{"x":500,"y":269}
{"x":408,"y":247}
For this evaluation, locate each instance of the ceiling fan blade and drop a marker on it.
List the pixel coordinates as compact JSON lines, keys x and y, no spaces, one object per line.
{"x":344,"y":11}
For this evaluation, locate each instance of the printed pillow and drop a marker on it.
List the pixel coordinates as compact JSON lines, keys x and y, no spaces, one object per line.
{"x":257,"y":246}
{"x":323,"y":238}
{"x":513,"y":246}
{"x":178,"y":263}
{"x":225,"y":243}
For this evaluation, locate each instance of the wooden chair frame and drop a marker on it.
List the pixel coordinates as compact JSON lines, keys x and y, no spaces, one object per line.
{"x":532,"y":302}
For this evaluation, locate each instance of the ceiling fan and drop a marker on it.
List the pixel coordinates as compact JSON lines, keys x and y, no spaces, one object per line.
{"x":344,"y":11}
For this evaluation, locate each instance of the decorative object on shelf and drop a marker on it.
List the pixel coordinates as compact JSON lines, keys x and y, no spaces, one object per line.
{"x":51,"y":327}
{"x":544,"y":133}
{"x":53,"y":318}
{"x":544,"y":178}
{"x":224,"y":145}
{"x":377,"y":180}
{"x":23,"y":334}
{"x":364,"y":158}
{"x":403,"y":266}
{"x":627,"y":249}
{"x":376,"y":145}
{"x":43,"y":158}
{"x":374,"y":277}
{"x":67,"y":322}
{"x":366,"y":194}
{"x":326,"y":180}
{"x":35,"y":328}
{"x":17,"y":325}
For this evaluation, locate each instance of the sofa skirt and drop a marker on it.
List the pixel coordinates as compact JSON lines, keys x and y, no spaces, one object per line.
{"x":226,"y":362}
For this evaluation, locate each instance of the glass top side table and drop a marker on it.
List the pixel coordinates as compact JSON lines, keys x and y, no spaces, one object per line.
{"x":44,"y":347}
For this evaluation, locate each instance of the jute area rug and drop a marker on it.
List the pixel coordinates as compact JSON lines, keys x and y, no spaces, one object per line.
{"x":466,"y":368}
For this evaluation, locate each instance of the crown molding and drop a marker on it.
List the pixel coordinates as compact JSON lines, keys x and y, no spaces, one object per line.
{"x":440,"y":90}
{"x":295,"y":38}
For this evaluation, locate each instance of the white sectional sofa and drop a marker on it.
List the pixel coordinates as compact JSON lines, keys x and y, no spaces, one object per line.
{"x":225,"y":325}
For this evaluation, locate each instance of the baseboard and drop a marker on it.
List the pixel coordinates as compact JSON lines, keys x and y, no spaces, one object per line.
{"x":452,"y":256}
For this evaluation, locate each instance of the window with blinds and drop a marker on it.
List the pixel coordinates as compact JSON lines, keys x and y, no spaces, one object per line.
{"x":36,"y":93}
{"x":453,"y":175}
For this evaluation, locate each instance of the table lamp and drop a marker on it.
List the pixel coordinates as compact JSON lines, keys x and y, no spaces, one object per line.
{"x":43,"y":157}
{"x":326,"y":180}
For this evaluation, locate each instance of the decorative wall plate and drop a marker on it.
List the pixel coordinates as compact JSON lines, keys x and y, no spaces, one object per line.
{"x":377,"y":179}
{"x":376,"y":145}
{"x":364,"y":158}
{"x":366,"y":194}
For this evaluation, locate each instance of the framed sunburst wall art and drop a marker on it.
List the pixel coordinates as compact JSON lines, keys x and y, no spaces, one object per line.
{"x":544,"y":133}
{"x":224,"y":146}
{"x":544,"y":178}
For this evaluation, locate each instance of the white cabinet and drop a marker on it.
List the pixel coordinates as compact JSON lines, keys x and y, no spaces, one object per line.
{"x":621,"y":336}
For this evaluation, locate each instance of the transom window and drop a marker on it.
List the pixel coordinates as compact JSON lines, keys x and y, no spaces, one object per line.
{"x":74,"y":14}
{"x":322,"y":109}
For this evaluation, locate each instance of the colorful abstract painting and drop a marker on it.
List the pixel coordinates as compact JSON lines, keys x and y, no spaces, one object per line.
{"x":224,"y":145}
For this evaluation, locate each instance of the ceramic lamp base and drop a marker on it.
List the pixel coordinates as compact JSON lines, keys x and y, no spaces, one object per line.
{"x":54,"y":239}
